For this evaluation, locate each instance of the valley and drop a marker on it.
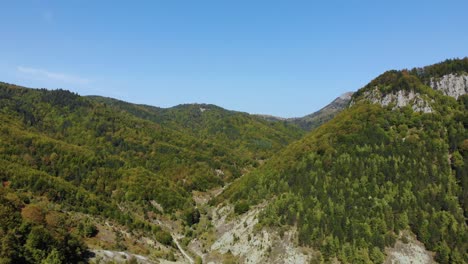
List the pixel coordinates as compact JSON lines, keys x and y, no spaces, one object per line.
{"x":379,"y":175}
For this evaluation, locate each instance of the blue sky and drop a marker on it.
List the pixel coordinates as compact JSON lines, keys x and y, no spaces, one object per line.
{"x":285,"y":58}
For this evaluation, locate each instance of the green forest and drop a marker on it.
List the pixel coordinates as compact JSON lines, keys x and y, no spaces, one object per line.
{"x":90,"y":155}
{"x":353,"y":184}
{"x":349,"y":187}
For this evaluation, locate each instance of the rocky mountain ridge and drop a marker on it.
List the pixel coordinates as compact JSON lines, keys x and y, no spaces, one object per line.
{"x":453,"y":85}
{"x":317,"y":118}
{"x":352,"y":185}
{"x":398,"y":89}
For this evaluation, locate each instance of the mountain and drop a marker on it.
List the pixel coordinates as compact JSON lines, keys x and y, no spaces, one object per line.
{"x":390,"y":167}
{"x":115,"y":167}
{"x":95,"y":179}
{"x":416,"y":87}
{"x":314,"y":120}
{"x":323,"y":115}
{"x":247,"y":134}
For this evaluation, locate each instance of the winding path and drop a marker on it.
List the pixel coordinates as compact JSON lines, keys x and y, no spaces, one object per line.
{"x":187,"y":256}
{"x":176,"y":240}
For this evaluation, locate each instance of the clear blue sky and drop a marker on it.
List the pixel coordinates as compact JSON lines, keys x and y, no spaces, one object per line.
{"x":285,"y":58}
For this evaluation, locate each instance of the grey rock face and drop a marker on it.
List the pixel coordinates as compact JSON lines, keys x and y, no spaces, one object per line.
{"x":451,"y":85}
{"x":399,"y":99}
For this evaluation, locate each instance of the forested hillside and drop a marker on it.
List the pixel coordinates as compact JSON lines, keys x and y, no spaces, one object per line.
{"x":94,"y":157}
{"x":157,"y":180}
{"x":353,"y":184}
{"x":247,"y":134}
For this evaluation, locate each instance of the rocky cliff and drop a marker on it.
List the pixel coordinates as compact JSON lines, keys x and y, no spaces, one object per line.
{"x":451,"y":84}
{"x":399,"y":99}
{"x":410,"y":90}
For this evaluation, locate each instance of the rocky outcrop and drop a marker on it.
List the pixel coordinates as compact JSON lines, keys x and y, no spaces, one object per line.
{"x":399,"y":99}
{"x":451,"y":84}
{"x":238,"y":237}
{"x":408,"y":250}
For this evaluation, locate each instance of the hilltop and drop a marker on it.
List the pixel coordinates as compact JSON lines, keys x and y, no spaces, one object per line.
{"x":381,"y":171}
{"x":100,"y":157}
{"x":391,"y":163}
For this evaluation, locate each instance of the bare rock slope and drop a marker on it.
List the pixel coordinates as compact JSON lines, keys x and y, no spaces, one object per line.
{"x":451,"y":84}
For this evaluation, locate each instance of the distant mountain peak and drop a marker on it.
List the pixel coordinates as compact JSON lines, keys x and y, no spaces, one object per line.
{"x":346,"y":96}
{"x":319,"y":117}
{"x":325,"y":114}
